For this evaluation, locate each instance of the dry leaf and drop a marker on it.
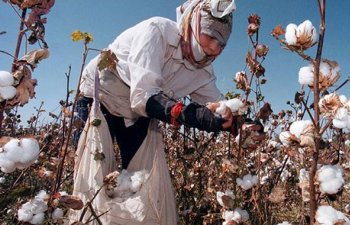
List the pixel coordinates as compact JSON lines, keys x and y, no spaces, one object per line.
{"x":107,"y":60}
{"x":278,"y":30}
{"x":265,"y":112}
{"x":71,"y":202}
{"x":228,"y":201}
{"x":30,"y":3}
{"x":33,"y":57}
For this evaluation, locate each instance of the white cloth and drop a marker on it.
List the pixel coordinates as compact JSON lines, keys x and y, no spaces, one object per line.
{"x":149,"y":61}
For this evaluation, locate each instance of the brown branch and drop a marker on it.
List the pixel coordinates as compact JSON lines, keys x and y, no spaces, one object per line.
{"x":313,"y":169}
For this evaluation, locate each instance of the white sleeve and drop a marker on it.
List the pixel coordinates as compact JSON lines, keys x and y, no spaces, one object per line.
{"x":145,"y":62}
{"x":207,"y":93}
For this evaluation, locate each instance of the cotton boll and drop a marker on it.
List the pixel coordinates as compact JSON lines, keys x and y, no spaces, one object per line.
{"x":228,"y":215}
{"x":57,"y":214}
{"x":291,"y":34}
{"x":13,"y":150}
{"x":7,"y":92}
{"x":306,"y":28}
{"x":6,"y":79}
{"x":220,"y":194}
{"x":247,"y":182}
{"x":38,"y":218}
{"x":24,"y":215}
{"x":2,"y":180}
{"x":306,"y":76}
{"x":330,"y":178}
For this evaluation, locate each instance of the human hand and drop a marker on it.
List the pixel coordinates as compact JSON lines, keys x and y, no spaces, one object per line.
{"x":225,"y":113}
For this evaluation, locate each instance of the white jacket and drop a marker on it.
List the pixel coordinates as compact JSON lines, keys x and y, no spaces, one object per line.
{"x":149,"y":61}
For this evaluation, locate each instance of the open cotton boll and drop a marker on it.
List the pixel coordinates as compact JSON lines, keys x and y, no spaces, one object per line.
{"x":306,"y":76}
{"x":298,"y":127}
{"x":6,"y":79}
{"x":13,"y":150}
{"x":330,"y":178}
{"x":247,"y":182}
{"x":57,"y":214}
{"x":220,"y":194}
{"x":343,"y":99}
{"x":291,"y":34}
{"x":7,"y":92}
{"x":306,"y":28}
{"x":31,"y":150}
{"x":327,"y":215}
{"x":42,"y":195}
{"x":325,"y":68}
{"x":38,"y":218}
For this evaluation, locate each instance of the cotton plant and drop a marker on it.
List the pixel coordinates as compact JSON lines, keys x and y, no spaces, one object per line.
{"x":304,"y":35}
{"x":300,"y":131}
{"x":238,"y":215}
{"x":247,"y":182}
{"x":330,"y":178}
{"x":18,"y":153}
{"x":329,"y":73}
{"x":33,"y":211}
{"x":7,"y":90}
{"x":327,"y":215}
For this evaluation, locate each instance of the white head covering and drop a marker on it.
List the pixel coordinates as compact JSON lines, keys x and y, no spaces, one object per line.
{"x":211,"y":17}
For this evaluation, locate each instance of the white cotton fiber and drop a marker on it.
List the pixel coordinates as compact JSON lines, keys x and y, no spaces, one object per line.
{"x":7,"y":165}
{"x":31,"y":150}
{"x":341,"y":118}
{"x":327,"y":215}
{"x":284,"y":223}
{"x":24,"y":215}
{"x":298,"y":127}
{"x":306,"y":75}
{"x":7,"y":92}
{"x":330,"y":178}
{"x":240,"y":215}
{"x":222,"y":108}
{"x":234,"y":104}
{"x":57,"y":214}
{"x":308,"y":29}
{"x":325,"y":69}
{"x":284,"y":137}
{"x":247,"y":182}
{"x":291,"y":34}
{"x":137,"y":179}
{"x":343,"y":99}
{"x":6,"y":79}
{"x":24,"y":152}
{"x":38,"y":206}
{"x":38,"y":218}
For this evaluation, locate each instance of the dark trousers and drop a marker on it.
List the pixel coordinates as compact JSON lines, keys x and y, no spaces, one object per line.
{"x":129,"y":139}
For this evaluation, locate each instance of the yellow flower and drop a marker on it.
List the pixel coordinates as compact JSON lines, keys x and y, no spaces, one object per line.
{"x":77,"y":35}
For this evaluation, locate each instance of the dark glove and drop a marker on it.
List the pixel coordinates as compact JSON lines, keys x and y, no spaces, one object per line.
{"x":161,"y":107}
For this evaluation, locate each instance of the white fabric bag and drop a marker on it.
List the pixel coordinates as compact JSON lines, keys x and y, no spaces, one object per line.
{"x":153,"y":204}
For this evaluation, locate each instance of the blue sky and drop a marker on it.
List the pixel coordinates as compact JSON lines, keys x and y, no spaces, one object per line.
{"x":106,"y":19}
